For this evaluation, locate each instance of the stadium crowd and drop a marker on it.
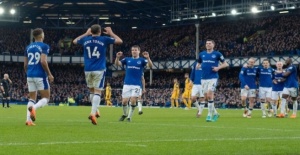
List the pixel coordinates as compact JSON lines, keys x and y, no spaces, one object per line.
{"x":70,"y":83}
{"x":261,"y":36}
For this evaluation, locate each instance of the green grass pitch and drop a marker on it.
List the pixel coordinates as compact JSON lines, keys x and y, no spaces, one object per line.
{"x":159,"y":131}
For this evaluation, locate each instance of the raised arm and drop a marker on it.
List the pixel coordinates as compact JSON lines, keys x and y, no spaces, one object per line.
{"x":109,"y":32}
{"x":117,"y":60}
{"x":146,"y":55}
{"x":87,"y":33}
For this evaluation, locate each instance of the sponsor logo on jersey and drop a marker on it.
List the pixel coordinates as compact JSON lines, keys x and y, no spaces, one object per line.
{"x":213,"y":56}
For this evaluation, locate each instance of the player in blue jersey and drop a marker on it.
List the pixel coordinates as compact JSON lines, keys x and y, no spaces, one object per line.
{"x":94,"y":46}
{"x":38,"y":74}
{"x":247,"y":78}
{"x":132,"y":83}
{"x":197,"y":91}
{"x":265,"y":74}
{"x":277,"y":87}
{"x":209,"y":62}
{"x":290,"y":88}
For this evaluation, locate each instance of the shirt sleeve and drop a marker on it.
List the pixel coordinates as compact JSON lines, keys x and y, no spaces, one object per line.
{"x":242,"y":76}
{"x":80,"y":41}
{"x":192,"y":75}
{"x":45,"y":49}
{"x":199,"y":59}
{"x":221,"y":57}
{"x":123,"y":61}
{"x":145,"y":62}
{"x":109,"y":40}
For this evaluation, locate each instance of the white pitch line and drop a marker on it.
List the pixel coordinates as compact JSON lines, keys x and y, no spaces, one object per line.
{"x":151,"y":141}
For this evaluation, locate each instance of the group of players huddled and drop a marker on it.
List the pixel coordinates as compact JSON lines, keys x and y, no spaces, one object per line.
{"x":200,"y":86}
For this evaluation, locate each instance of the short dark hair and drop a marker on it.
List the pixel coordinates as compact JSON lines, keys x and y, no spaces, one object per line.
{"x":95,"y":29}
{"x":266,"y":60}
{"x":37,"y":32}
{"x":211,"y":41}
{"x":136,"y":46}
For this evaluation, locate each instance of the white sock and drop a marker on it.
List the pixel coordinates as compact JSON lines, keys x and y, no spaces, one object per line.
{"x":201,"y":107}
{"x":295,"y":107}
{"x":282,"y":108}
{"x":196,"y":104}
{"x":41,"y":103}
{"x":263,"y":107}
{"x":131,"y":109}
{"x":125,"y":107}
{"x":91,"y":97}
{"x":210,"y":108}
{"x":140,"y":105}
{"x":95,"y":103}
{"x":215,"y":110}
{"x":274,"y":107}
{"x":30,"y":103}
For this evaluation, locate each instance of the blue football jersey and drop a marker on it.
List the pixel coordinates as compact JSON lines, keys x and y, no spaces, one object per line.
{"x":248,"y":77}
{"x":33,"y":53}
{"x":196,"y":75}
{"x":292,"y":80}
{"x":134,"y":70}
{"x":265,"y":76}
{"x":94,"y":48}
{"x":208,"y":61}
{"x":279,"y":86}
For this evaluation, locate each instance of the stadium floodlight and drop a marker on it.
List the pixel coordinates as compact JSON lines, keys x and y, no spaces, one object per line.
{"x":233,"y":11}
{"x":213,"y":14}
{"x":272,"y":7}
{"x":196,"y":16}
{"x":134,"y":27}
{"x":12,"y":11}
{"x":1,"y":10}
{"x":254,"y":9}
{"x":163,"y":24}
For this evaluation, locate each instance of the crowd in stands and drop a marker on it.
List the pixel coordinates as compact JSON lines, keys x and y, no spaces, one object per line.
{"x":261,"y":36}
{"x":70,"y":83}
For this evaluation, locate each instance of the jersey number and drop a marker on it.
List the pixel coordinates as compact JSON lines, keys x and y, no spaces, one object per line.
{"x":35,"y":57}
{"x":94,"y":53}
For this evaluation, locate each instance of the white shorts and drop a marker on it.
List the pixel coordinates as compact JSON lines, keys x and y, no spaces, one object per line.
{"x":197,"y":91}
{"x":265,"y":92}
{"x":35,"y":84}
{"x":209,"y":85}
{"x":276,"y":95}
{"x":293,"y":92}
{"x":95,"y":79}
{"x":131,"y":91}
{"x":248,"y":93}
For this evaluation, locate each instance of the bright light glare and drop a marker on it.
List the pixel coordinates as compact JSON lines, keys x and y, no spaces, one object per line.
{"x":254,"y":9}
{"x":272,"y":7}
{"x":12,"y":11}
{"x":233,"y":11}
{"x":213,"y":14}
{"x":1,"y":10}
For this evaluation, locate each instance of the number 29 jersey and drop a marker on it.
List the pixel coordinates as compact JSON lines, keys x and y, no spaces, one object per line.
{"x":94,"y":48}
{"x":33,"y":53}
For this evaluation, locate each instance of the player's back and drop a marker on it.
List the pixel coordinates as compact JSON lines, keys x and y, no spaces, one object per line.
{"x":292,"y":80}
{"x":265,"y":76}
{"x":95,"y":52}
{"x":196,"y":75}
{"x":33,"y":53}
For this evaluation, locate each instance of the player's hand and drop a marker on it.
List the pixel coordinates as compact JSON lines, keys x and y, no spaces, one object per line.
{"x":51,"y":78}
{"x":275,"y":81}
{"x":215,"y":69}
{"x":107,"y":31}
{"x":198,"y":66}
{"x":88,"y":32}
{"x":245,"y":65}
{"x":246,"y":87}
{"x":146,"y":54}
{"x":119,"y":54}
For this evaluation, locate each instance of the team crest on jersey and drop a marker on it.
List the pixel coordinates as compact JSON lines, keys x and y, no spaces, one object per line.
{"x":139,"y":62}
{"x":203,"y":56}
{"x":213,"y":56}
{"x":128,"y":61}
{"x":261,"y":69}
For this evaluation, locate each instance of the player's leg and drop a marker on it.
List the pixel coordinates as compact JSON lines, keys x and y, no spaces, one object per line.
{"x":126,"y":93}
{"x":172,"y":102}
{"x":31,"y":102}
{"x":211,"y":86}
{"x":140,"y":102}
{"x":3,"y":101}
{"x":262,"y":96}
{"x":135,"y":93}
{"x":285,"y":95}
{"x":194,"y":95}
{"x":176,"y":100}
{"x":185,"y":100}
{"x":274,"y":99}
{"x":251,"y":95}
{"x":189,"y":101}
{"x":7,"y":99}
{"x":294,"y":94}
{"x":244,"y":94}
